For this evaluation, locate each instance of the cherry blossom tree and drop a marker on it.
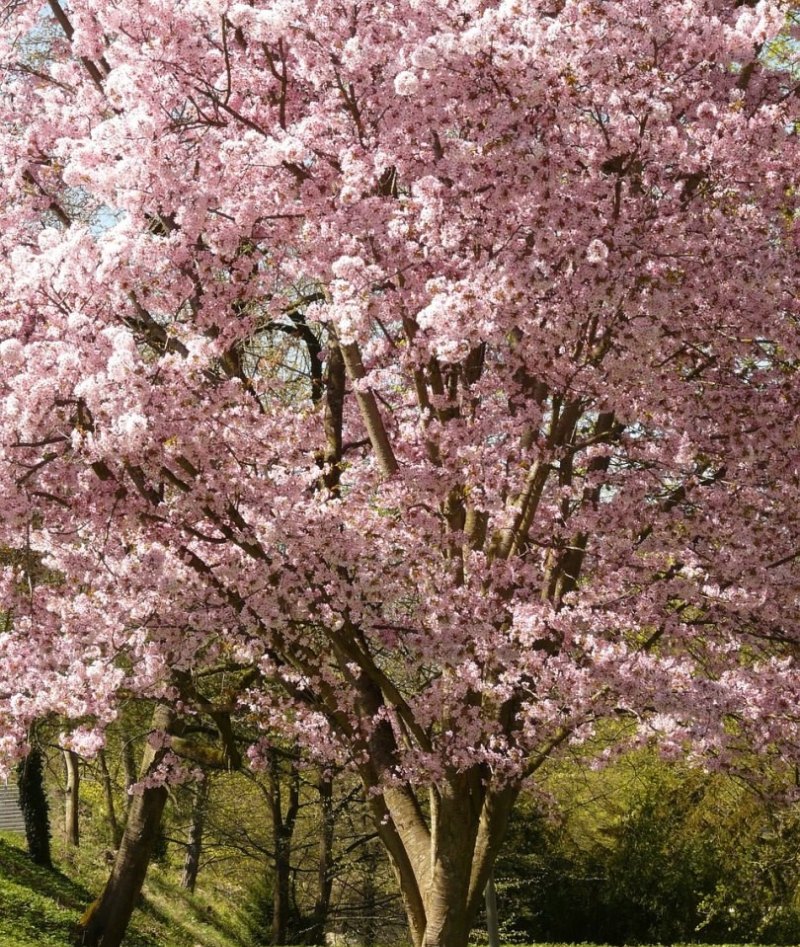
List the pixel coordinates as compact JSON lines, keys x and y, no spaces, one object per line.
{"x":427,"y":367}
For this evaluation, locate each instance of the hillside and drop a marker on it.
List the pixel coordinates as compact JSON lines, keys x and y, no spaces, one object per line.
{"x":40,"y":908}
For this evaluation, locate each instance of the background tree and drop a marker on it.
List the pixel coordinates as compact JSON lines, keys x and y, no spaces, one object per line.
{"x":72,"y":798}
{"x":431,"y":366}
{"x":194,"y":838}
{"x":33,"y":802}
{"x":109,"y":798}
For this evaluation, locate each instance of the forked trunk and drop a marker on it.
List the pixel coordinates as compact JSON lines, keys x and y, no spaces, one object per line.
{"x":443,"y":860}
{"x":105,"y":922}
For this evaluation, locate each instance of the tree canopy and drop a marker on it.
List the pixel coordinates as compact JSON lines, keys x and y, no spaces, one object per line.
{"x":427,"y":372}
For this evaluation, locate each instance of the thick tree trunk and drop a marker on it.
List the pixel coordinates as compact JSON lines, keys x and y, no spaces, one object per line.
{"x":447,"y":929}
{"x":33,"y":802}
{"x":72,"y":798}
{"x":448,"y":918}
{"x":443,"y":862}
{"x":106,"y":921}
{"x":194,"y":841}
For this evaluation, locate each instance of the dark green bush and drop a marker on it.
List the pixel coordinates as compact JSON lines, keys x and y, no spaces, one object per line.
{"x":672,"y":855}
{"x":33,"y":802}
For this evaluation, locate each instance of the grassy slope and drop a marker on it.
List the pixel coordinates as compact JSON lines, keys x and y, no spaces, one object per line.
{"x":40,"y":908}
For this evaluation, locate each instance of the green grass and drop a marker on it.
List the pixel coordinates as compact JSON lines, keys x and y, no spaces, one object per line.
{"x":38,"y":908}
{"x":41,"y":908}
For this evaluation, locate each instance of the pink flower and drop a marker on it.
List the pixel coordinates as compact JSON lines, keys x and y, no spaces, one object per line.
{"x":11,"y":352}
{"x":424,"y":57}
{"x":597,"y":252}
{"x":406,"y":83}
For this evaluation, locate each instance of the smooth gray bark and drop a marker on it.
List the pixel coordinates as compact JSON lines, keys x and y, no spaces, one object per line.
{"x":492,"y":919}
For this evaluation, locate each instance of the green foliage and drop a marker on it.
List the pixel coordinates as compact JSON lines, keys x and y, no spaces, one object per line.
{"x":759,"y":895}
{"x":640,"y":852}
{"x":259,"y":912}
{"x":648,"y":852}
{"x":39,"y":908}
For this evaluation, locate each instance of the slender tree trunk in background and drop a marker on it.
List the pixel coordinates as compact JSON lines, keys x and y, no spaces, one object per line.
{"x":106,"y":920}
{"x":194,"y":841}
{"x":492,"y":919}
{"x":108,"y":792}
{"x":280,"y":896}
{"x":33,"y":802}
{"x":72,"y":799}
{"x":129,"y":765}
{"x":370,"y":926}
{"x":282,"y":832}
{"x":316,"y":933}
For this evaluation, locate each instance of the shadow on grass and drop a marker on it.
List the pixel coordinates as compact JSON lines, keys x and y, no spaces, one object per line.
{"x":177,"y":905}
{"x":15,"y":863}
